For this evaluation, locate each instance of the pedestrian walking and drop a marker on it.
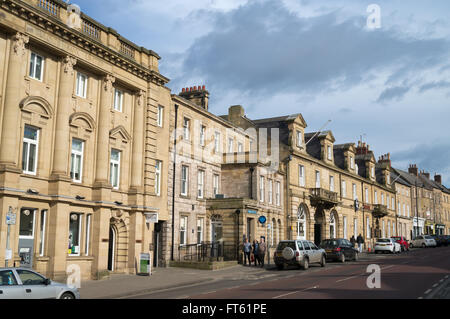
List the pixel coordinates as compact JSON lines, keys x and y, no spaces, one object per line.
{"x":262,"y":251}
{"x":360,"y":241}
{"x":353,"y":240}
{"x":255,"y":252}
{"x":247,"y":251}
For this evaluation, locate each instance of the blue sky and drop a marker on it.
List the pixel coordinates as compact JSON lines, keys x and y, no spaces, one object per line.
{"x":275,"y":57}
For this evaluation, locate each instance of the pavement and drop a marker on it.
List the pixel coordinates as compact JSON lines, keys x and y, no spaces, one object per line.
{"x":120,"y":286}
{"x":123,"y":286}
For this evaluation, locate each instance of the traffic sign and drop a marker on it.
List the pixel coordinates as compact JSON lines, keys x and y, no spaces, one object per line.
{"x":10,"y":218}
{"x":262,"y":219}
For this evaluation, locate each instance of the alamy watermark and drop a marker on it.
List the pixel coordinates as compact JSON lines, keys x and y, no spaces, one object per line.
{"x":374,"y":18}
{"x":226,"y":147}
{"x":74,"y":276}
{"x":374,"y":279}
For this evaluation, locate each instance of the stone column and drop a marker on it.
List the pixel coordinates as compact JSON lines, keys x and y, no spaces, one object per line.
{"x":62,"y":136}
{"x":9,"y":145}
{"x":58,"y":240}
{"x":104,"y":124}
{"x":138,"y":142}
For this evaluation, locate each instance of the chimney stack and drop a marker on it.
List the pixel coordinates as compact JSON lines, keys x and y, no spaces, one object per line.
{"x":197,"y":94}
{"x":413,"y":170}
{"x":438,"y":179}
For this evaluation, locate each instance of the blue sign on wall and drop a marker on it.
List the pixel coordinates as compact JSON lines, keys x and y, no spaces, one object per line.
{"x":249,"y":211}
{"x":262,"y":219}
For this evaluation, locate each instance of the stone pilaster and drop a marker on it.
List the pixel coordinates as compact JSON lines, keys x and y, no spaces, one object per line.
{"x":104,"y":124}
{"x":62,"y":136}
{"x":9,"y":147}
{"x":138,"y":143}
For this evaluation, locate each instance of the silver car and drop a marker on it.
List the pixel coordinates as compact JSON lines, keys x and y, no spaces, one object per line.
{"x":301,"y":253}
{"x":423,"y":241}
{"x":21,"y":283}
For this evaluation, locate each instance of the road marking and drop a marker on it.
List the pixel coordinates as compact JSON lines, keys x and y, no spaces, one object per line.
{"x":435,"y":285}
{"x":346,"y":278}
{"x":428,"y":291}
{"x":294,"y":292}
{"x":184,"y":297}
{"x":388,"y":267}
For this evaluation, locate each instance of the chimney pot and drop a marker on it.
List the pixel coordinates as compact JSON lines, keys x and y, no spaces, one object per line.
{"x":204,"y":87}
{"x":183,"y":90}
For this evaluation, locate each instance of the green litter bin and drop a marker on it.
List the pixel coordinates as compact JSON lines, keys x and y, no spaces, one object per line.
{"x":144,"y":265}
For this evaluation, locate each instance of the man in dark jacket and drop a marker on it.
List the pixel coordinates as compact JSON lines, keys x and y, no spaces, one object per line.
{"x":360,"y":242}
{"x":262,"y":251}
{"x":256,"y":251}
{"x":353,"y":240}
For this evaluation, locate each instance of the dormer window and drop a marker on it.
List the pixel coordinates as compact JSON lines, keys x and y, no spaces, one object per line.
{"x":329,"y":152}
{"x":373,"y":172}
{"x":352,"y":162}
{"x":299,"y":139}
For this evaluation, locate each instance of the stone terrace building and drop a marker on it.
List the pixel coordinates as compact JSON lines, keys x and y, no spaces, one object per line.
{"x":323,"y":182}
{"x":80,"y":112}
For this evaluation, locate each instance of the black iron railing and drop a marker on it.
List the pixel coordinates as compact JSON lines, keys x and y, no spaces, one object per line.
{"x":207,"y":251}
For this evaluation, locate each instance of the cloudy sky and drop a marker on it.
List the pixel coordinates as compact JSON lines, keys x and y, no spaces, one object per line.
{"x":390,"y":85}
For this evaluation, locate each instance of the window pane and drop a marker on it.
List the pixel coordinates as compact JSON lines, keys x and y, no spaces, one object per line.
{"x":26,"y":222}
{"x":31,"y":73}
{"x":32,"y":158}
{"x":42,"y":232}
{"x":74,"y":233}
{"x":30,"y":278}
{"x":38,"y":71}
{"x":115,"y":155}
{"x":7,"y":278}
{"x":25,"y":156}
{"x":30,"y":133}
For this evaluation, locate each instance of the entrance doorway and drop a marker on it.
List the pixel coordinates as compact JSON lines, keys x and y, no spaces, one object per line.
{"x":301,"y":223}
{"x":26,"y":237}
{"x":250,"y":229}
{"x":318,"y":226}
{"x":111,"y":248}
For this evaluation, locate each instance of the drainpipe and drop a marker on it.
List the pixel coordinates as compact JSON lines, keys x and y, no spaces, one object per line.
{"x":173,"y":182}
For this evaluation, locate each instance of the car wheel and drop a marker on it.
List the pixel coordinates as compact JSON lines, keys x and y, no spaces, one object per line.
{"x":67,"y":295}
{"x":280,"y":266}
{"x":356,"y":257}
{"x":323,"y":262}
{"x":424,"y":246}
{"x":305,"y":264}
{"x":342,"y":259}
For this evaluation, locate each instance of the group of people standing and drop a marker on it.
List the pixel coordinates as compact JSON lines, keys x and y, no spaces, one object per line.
{"x":359,"y":240}
{"x":255,"y":253}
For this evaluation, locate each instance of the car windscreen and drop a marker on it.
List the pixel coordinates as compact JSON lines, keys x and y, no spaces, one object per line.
{"x":283,"y":245}
{"x":329,"y":243}
{"x":382,"y":240}
{"x":428,"y":237}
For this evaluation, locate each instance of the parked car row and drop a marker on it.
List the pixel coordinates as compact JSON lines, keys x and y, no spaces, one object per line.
{"x":302,"y":253}
{"x":20,"y":283}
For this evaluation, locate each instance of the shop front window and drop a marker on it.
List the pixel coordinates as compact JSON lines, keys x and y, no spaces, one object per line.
{"x":74,"y":234}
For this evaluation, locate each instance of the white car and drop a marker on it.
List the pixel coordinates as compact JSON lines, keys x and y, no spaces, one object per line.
{"x":20,"y":283}
{"x":387,"y":245}
{"x":423,"y":241}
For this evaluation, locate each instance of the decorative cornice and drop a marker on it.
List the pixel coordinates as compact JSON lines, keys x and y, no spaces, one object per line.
{"x":53,"y":25}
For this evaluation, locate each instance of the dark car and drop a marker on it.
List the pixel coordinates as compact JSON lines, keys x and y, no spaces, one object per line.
{"x":439,"y":240}
{"x":339,"y":249}
{"x":446,"y":240}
